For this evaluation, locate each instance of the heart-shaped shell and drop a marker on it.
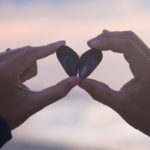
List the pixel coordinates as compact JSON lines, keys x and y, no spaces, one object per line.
{"x":71,"y":63}
{"x":69,"y":59}
{"x":89,"y":61}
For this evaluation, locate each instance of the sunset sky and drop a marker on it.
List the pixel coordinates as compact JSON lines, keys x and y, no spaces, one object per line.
{"x":76,"y":119}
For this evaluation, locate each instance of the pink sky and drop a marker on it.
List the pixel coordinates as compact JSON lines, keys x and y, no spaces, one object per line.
{"x":76,"y":22}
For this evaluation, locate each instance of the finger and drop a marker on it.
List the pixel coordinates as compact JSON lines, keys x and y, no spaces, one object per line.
{"x":129,"y":84}
{"x":7,"y":55}
{"x":29,"y":73}
{"x":102,"y":93}
{"x":27,"y":57}
{"x":125,"y":35}
{"x":52,"y":94}
{"x":138,"y":61}
{"x":96,"y":38}
{"x":91,"y":40}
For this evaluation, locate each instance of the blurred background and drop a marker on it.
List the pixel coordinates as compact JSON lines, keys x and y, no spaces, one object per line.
{"x":77,"y":121}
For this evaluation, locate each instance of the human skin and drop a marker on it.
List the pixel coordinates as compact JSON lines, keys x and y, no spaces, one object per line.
{"x":18,"y":102}
{"x":132,"y":101}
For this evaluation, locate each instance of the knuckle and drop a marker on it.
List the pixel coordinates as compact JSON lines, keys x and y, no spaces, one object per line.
{"x":129,"y":33}
{"x":105,"y":34}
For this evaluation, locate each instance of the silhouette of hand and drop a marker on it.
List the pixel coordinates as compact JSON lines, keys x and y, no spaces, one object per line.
{"x":17,"y":102}
{"x":132,"y":102}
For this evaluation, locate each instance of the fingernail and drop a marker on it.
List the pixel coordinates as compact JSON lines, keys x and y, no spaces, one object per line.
{"x":75,"y":82}
{"x":95,"y":43}
{"x":62,"y":42}
{"x":91,"y":40}
{"x":84,"y":86}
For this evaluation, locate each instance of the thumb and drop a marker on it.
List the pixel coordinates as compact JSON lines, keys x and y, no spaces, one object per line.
{"x":102,"y":93}
{"x":52,"y":94}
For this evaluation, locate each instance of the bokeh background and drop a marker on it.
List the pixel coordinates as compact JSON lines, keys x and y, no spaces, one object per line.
{"x":77,"y":121}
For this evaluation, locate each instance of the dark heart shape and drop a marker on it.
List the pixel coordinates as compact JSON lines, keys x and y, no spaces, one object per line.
{"x":71,"y":62}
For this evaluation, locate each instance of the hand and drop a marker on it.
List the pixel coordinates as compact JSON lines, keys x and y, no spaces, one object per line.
{"x":132,"y":102}
{"x":17,"y":102}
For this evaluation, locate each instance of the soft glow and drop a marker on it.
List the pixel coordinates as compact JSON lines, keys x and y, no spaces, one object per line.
{"x":76,"y":119}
